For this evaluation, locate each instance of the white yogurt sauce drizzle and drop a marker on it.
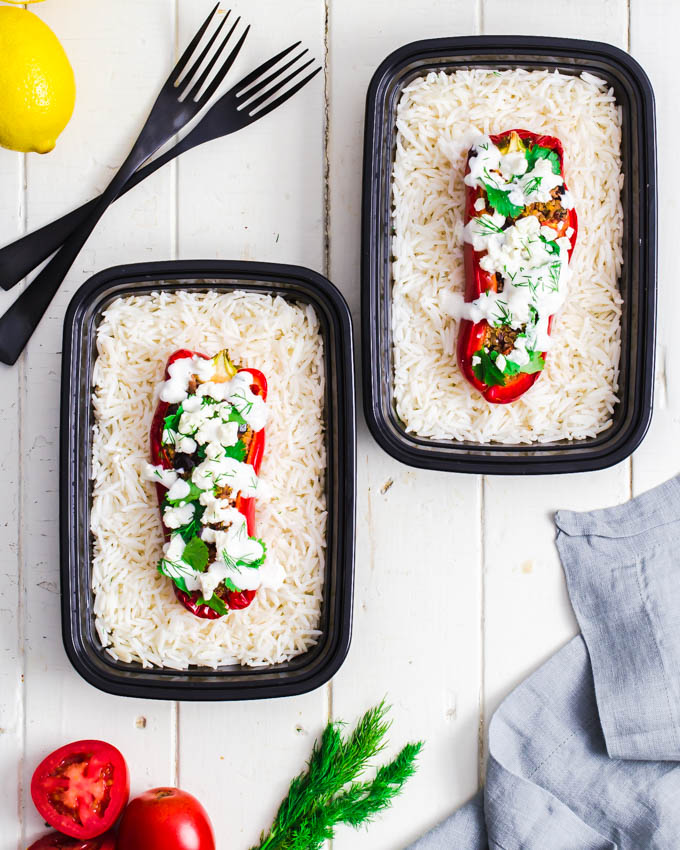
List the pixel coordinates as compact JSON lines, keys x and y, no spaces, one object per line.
{"x":205,"y":422}
{"x":531,"y":260}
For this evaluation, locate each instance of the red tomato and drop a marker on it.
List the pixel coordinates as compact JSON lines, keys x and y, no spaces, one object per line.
{"x":80,"y":789}
{"x":165,"y":819}
{"x":57,"y":841}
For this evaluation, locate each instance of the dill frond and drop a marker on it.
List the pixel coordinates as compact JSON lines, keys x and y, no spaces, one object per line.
{"x":328,"y":793}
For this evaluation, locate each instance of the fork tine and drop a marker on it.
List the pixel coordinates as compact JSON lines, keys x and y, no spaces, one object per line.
{"x":181,"y":65}
{"x":253,"y":104}
{"x":223,"y":70}
{"x":286,"y":95}
{"x":265,"y":66}
{"x":190,"y":74}
{"x":261,"y":84}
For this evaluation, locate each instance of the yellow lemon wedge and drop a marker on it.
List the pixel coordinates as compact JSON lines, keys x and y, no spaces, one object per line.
{"x":37,"y":86}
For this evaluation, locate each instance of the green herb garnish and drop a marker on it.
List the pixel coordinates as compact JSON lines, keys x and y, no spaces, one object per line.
{"x":174,"y":571}
{"x":171,"y":422}
{"x":328,"y":793}
{"x":486,"y":370}
{"x":500,"y":201}
{"x":511,"y":368}
{"x":238,"y":451}
{"x":537,"y":152}
{"x":215,"y":603}
{"x":193,"y":495}
{"x":192,"y":528}
{"x":196,"y":554}
{"x":235,"y":416}
{"x":551,"y":245}
{"x":504,"y":316}
{"x":535,"y":364}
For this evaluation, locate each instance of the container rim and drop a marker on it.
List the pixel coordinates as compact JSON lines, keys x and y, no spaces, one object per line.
{"x":203,"y":683}
{"x":499,"y":458}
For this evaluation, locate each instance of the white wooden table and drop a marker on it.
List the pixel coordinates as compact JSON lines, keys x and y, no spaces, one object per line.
{"x":492,"y":603}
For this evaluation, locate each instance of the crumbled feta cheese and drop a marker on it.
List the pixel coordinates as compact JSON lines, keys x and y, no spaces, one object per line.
{"x":179,"y":516}
{"x":179,"y":490}
{"x":158,"y":475}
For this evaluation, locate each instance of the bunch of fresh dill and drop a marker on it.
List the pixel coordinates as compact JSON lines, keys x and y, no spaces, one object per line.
{"x":329,"y":792}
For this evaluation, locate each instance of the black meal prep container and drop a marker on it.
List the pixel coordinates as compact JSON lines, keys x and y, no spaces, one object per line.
{"x":82,"y":645}
{"x":638,"y":281}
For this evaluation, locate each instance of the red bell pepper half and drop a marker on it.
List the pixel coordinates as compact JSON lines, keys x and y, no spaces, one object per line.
{"x":159,"y":456}
{"x":472,"y":335}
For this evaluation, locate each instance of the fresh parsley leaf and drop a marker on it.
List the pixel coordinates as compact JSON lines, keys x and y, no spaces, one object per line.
{"x":196,"y":554}
{"x":166,"y":568}
{"x":229,"y":584}
{"x":215,"y":603}
{"x":535,"y":364}
{"x":194,"y":493}
{"x":486,"y":370}
{"x":192,"y":528}
{"x":238,"y":451}
{"x":171,"y":422}
{"x":500,"y":201}
{"x":511,"y":368}
{"x":538,"y":152}
{"x":551,"y":245}
{"x":235,"y":416}
{"x":251,"y":565}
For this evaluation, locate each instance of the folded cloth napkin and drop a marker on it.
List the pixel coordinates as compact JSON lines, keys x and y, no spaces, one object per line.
{"x":585,"y":754}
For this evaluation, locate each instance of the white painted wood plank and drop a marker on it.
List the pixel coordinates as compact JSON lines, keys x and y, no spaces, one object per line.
{"x":416,"y":635}
{"x":118,"y":69}
{"x":257,"y":195}
{"x":527,"y":614}
{"x":654,"y":26}
{"x":11,"y":599}
{"x":603,"y":20}
{"x":417,"y":610}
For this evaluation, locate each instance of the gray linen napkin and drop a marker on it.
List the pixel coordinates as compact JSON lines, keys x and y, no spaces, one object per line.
{"x":584,"y":754}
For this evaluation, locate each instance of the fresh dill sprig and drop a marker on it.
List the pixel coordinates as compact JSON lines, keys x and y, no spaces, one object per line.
{"x":328,"y":792}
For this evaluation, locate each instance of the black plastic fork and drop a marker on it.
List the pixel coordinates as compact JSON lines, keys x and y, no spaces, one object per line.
{"x":184,"y":93}
{"x":18,"y":258}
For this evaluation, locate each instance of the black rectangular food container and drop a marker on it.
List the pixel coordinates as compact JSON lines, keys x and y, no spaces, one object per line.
{"x":638,"y":281}
{"x":84,"y":650}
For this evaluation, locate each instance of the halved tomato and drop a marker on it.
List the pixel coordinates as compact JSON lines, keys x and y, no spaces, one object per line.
{"x":81,"y":788}
{"x":57,"y":841}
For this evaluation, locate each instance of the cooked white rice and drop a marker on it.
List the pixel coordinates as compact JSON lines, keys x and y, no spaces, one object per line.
{"x":137,"y":615}
{"x":438,"y":116}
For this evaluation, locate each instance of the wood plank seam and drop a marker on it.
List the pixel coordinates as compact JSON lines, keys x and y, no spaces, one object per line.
{"x":481,"y":724}
{"x":22,"y":767}
{"x":326,"y":143}
{"x":326,"y":247}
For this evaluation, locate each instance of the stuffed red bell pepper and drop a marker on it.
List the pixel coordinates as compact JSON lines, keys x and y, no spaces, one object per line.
{"x":207,"y":442}
{"x":520,"y":232}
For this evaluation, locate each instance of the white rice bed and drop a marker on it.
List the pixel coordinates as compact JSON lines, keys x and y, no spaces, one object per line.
{"x":438,"y":116}
{"x":138,"y":618}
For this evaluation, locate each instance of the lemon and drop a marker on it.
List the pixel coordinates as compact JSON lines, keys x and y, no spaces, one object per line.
{"x":37,"y":86}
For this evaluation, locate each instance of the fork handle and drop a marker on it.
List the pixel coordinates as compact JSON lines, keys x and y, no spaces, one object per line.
{"x":21,"y":319}
{"x":18,"y":258}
